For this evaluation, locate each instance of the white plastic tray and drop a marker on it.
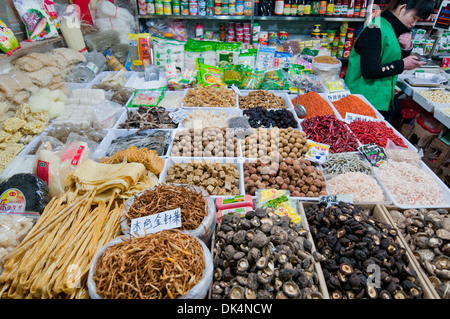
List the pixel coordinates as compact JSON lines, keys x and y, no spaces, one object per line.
{"x":285,"y":97}
{"x":424,"y":102}
{"x":363,"y":98}
{"x":99,"y":77}
{"x":123,"y":117}
{"x":445,"y":191}
{"x":214,"y":110}
{"x":324,"y":96}
{"x":200,"y":106}
{"x":441,"y":116}
{"x":170,"y":161}
{"x":291,"y":110}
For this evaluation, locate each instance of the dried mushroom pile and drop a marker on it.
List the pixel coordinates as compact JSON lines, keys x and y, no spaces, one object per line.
{"x":427,"y":232}
{"x":300,"y":177}
{"x":261,"y":256}
{"x":148,"y":118}
{"x":350,"y":243}
{"x":261,"y":98}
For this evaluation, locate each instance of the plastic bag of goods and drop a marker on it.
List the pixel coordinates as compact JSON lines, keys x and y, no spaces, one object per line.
{"x":195,"y":269}
{"x":39,"y":17}
{"x":327,"y":68}
{"x":8,"y":41}
{"x":204,"y":220}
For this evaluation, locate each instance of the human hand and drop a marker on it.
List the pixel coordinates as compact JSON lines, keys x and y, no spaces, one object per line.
{"x":405,"y":40}
{"x":411,"y":62}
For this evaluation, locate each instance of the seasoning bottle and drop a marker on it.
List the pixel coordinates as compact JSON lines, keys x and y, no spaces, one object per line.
{"x":294,"y":6}
{"x":199,"y":31}
{"x":337,"y":8}
{"x":279,"y":7}
{"x":307,"y":8}
{"x":287,"y":7}
{"x":256,"y":8}
{"x":340,"y":52}
{"x":357,"y":8}
{"x":301,"y":7}
{"x":323,"y":8}
{"x":247,"y":8}
{"x":239,"y":7}
{"x":330,"y":8}
{"x":344,"y":8}
{"x":315,"y":7}
{"x":363,"y":11}
{"x":351,"y":9}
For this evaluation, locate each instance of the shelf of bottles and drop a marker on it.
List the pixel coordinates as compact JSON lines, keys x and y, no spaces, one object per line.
{"x":271,"y":10}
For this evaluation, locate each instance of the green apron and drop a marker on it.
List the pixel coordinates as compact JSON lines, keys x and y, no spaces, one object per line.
{"x":379,"y":92}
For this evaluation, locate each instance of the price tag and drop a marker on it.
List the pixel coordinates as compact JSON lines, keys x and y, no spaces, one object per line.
{"x":331,"y":200}
{"x":350,"y":117}
{"x":337,"y":95}
{"x":178,"y":116}
{"x":154,"y":223}
{"x":374,"y":154}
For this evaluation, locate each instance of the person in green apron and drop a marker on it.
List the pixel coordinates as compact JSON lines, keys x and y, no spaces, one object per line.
{"x":382,"y":51}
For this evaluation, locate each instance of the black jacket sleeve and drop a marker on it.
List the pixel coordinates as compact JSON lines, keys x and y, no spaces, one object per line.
{"x":368,"y":46}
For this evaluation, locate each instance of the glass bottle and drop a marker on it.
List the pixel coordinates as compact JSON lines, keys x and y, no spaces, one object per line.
{"x":351,"y":9}
{"x":337,"y":8}
{"x":307,"y":8}
{"x":344,"y":8}
{"x":287,"y":8}
{"x":357,"y":8}
{"x":301,"y":7}
{"x":279,"y":7}
{"x":330,"y":8}
{"x":323,"y":8}
{"x":294,"y":7}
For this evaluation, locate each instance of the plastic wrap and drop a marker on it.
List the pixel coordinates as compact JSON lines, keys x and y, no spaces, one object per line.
{"x":23,"y":193}
{"x":8,"y":41}
{"x":327,"y":71}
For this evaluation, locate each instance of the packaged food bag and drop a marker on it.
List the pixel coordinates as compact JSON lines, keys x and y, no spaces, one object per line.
{"x":211,"y":75}
{"x":8,"y":41}
{"x":39,"y":17}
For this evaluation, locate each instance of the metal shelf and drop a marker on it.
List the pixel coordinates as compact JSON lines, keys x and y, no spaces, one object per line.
{"x":307,"y":18}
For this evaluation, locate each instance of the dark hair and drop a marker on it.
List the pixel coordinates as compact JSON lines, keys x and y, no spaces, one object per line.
{"x":423,"y":7}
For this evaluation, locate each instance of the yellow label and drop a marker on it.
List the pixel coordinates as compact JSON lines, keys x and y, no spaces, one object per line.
{"x":12,"y":200}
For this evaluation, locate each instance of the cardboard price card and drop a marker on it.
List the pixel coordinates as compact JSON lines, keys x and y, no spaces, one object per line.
{"x":374,"y":154}
{"x":154,"y":223}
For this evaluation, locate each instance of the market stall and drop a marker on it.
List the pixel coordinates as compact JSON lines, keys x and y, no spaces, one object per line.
{"x":157,"y":165}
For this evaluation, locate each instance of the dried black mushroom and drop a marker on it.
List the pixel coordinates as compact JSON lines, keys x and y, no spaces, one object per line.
{"x":351,"y":244}
{"x":263,"y":255}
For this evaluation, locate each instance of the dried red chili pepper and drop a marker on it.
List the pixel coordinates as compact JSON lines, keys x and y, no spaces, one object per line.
{"x":375,"y":132}
{"x":327,"y":129}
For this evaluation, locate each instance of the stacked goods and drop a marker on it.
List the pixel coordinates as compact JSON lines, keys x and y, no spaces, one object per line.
{"x":362,"y":187}
{"x":206,"y":142}
{"x":329,"y":130}
{"x":19,"y":130}
{"x":148,"y":118}
{"x":261,"y":98}
{"x":217,"y":179}
{"x":210,"y":96}
{"x":68,"y":233}
{"x":272,"y":142}
{"x":260,"y":117}
{"x":261,"y":250}
{"x":164,"y":265}
{"x":353,"y":104}
{"x":298,"y":176}
{"x":350,"y":242}
{"x":314,"y":104}
{"x":377,"y":132}
{"x":427,"y":232}
{"x":409,"y":184}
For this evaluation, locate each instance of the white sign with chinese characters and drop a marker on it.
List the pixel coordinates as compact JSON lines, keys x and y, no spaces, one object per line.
{"x":157,"y":222}
{"x":350,"y":117}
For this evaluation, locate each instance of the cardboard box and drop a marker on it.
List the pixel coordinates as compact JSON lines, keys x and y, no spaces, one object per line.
{"x":425,"y":137}
{"x":436,"y":154}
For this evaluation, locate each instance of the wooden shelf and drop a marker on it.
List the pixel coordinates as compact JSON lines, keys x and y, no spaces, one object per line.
{"x":27,"y":46}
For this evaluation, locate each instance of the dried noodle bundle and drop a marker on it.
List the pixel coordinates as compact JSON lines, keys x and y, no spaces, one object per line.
{"x":164,"y":265}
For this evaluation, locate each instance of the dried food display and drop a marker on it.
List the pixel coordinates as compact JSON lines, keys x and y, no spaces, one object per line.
{"x":210,"y":96}
{"x":299,"y":176}
{"x":216,"y":178}
{"x":263,"y":256}
{"x":148,"y":118}
{"x":206,"y":142}
{"x":260,"y":117}
{"x":350,"y":242}
{"x":427,"y":232}
{"x":273,"y":142}
{"x":314,"y":104}
{"x":261,"y":98}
